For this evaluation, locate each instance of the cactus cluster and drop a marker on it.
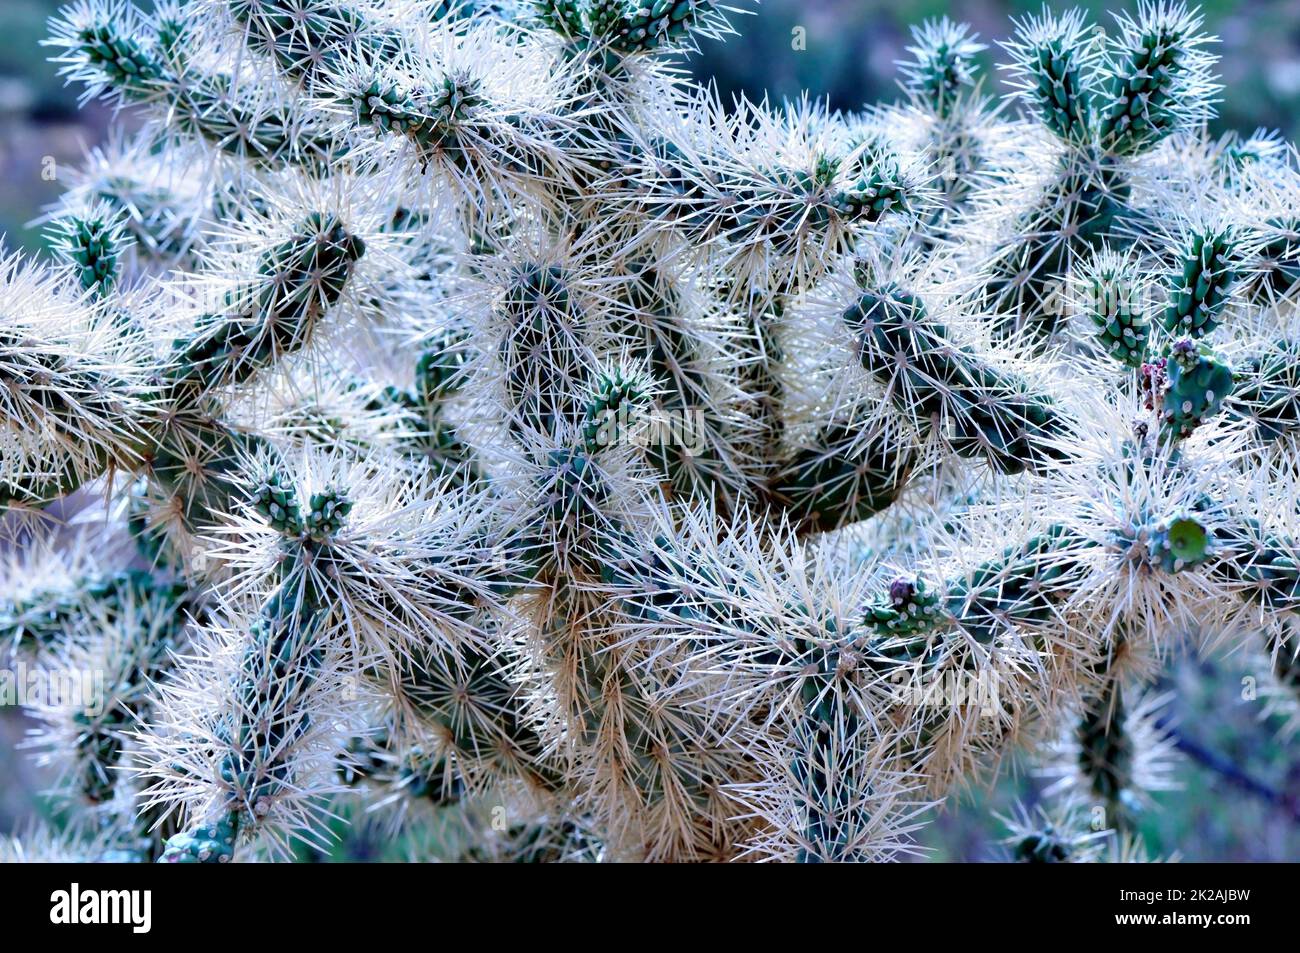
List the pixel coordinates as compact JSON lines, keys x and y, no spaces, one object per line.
{"x":453,"y":410}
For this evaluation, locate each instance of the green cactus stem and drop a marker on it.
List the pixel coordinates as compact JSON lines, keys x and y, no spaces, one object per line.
{"x":1200,"y":289}
{"x":1059,"y":93}
{"x":92,"y":243}
{"x":467,"y":696}
{"x":846,"y":476}
{"x":298,"y":281}
{"x":1113,"y":305}
{"x":1151,"y":89}
{"x":278,"y":667}
{"x":944,"y":64}
{"x":139,"y":67}
{"x":1267,"y":390}
{"x":39,"y":620}
{"x":992,"y":413}
{"x":642,"y":26}
{"x":1021,"y":586}
{"x":1263,"y":565}
{"x":1106,"y":755}
{"x":308,"y":38}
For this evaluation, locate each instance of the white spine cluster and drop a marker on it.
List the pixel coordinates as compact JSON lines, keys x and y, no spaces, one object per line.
{"x":490,"y":422}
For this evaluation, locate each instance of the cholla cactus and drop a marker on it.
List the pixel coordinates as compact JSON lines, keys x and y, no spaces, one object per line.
{"x":473,"y":414}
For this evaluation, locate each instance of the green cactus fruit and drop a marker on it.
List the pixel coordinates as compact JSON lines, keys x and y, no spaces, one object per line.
{"x":1196,"y":383}
{"x":1180,"y":542}
{"x":209,"y":843}
{"x":911,"y":608}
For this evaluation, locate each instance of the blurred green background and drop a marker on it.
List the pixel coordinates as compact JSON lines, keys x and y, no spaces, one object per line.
{"x":1245,"y":809}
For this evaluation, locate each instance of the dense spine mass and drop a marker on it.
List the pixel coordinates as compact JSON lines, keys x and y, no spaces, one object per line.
{"x":479,"y":431}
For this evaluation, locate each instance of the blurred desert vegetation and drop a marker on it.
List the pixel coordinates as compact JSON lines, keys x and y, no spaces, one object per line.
{"x":852,"y":47}
{"x":1240,"y":796}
